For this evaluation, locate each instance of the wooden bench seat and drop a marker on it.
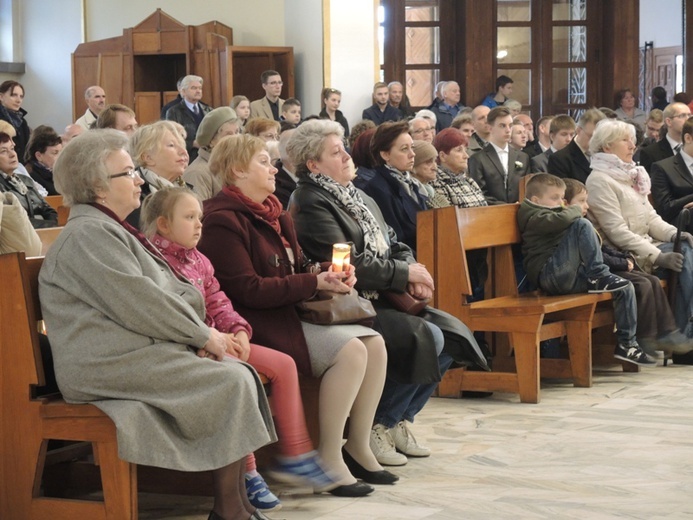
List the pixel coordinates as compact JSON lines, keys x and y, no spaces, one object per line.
{"x":519,"y":321}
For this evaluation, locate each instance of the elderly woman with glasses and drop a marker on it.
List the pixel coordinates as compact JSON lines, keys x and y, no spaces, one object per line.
{"x":129,"y":336}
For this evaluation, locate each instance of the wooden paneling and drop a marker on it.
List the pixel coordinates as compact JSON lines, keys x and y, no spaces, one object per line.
{"x":147,"y":107}
{"x":620,"y":48}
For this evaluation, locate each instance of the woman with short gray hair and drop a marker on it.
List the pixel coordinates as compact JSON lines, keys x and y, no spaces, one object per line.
{"x":129,"y":337}
{"x":621,"y":212}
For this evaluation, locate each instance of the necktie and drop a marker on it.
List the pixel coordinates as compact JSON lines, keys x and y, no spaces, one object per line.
{"x":677,"y":148}
{"x":196,"y":110}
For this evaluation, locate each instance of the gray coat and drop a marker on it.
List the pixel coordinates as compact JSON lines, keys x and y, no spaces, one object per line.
{"x":121,"y":325}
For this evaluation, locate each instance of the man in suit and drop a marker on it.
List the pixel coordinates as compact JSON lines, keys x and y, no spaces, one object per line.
{"x":675,"y":115}
{"x":572,"y":161}
{"x":497,"y":168}
{"x":482,"y":129}
{"x":190,"y":111}
{"x":269,"y":106}
{"x":672,"y":179}
{"x":561,"y":132}
{"x":541,"y":141}
{"x":381,"y":110}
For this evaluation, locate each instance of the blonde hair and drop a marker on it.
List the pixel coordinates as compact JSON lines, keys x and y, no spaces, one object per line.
{"x":8,"y":129}
{"x":147,"y":140}
{"x":162,"y":203}
{"x":234,"y":152}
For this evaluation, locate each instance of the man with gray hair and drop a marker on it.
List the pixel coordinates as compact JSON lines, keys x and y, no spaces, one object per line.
{"x":190,"y":111}
{"x":96,"y":102}
{"x":450,"y":106}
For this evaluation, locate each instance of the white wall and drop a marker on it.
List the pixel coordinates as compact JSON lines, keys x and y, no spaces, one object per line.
{"x":661,"y":23}
{"x":352,"y":50}
{"x":303,"y":26}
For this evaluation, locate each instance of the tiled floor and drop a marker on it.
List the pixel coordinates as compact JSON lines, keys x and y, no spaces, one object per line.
{"x":621,"y":449}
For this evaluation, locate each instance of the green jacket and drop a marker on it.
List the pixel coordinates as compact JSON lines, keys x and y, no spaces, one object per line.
{"x":542,"y":229}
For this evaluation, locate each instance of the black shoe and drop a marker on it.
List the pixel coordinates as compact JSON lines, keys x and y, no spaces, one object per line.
{"x":357,"y":489}
{"x":214,"y":516}
{"x":608,"y":283}
{"x":634,"y":355}
{"x":372,"y":477}
{"x":682,"y":359}
{"x":473,"y":394}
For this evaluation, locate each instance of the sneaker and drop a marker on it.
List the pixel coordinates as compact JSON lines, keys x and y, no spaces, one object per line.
{"x":675,"y":342}
{"x":608,"y":283}
{"x":259,"y":494}
{"x":634,"y":354}
{"x":406,"y":443}
{"x":302,"y":470}
{"x":383,"y":447}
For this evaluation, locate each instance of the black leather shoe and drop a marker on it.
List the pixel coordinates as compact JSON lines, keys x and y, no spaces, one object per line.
{"x":372,"y":477}
{"x":357,"y":489}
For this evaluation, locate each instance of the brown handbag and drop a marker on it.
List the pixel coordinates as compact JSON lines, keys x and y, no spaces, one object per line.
{"x":405,"y":302}
{"x":331,"y":308}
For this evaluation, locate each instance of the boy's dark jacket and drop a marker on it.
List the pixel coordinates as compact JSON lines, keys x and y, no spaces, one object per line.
{"x":542,"y":229}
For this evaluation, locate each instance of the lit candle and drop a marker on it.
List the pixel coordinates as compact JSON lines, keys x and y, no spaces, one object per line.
{"x":341,"y":257}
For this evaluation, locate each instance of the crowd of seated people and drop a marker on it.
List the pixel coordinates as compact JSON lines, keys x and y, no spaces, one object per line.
{"x":275,"y":185}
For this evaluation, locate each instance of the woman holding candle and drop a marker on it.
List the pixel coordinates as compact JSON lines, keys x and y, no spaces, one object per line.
{"x":252,"y":245}
{"x":328,"y":209}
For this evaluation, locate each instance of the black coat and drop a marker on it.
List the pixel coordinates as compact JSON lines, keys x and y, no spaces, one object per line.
{"x":570,"y":163}
{"x":42,"y":176}
{"x":41,"y":214}
{"x":320,"y":222}
{"x":655,"y":152}
{"x":284,"y":187}
{"x":180,"y":113}
{"x":374,"y":114}
{"x":23,"y":132}
{"x":339,"y":118}
{"x":672,"y":187}
{"x":398,"y":208}
{"x":486,"y":169}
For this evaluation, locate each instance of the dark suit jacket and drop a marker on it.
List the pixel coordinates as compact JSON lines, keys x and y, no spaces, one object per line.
{"x":486,"y":169}
{"x":540,"y":162}
{"x":374,"y":114}
{"x":533,"y":148}
{"x":284,"y":187}
{"x":672,"y":187}
{"x":655,"y":152}
{"x":398,"y":208}
{"x":570,"y":163}
{"x":180,"y":113}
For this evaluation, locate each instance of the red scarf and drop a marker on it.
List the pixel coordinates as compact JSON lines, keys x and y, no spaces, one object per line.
{"x":269,"y":210}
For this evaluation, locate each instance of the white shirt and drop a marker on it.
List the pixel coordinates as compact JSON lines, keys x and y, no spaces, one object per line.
{"x":191,"y":106}
{"x":502,"y":155}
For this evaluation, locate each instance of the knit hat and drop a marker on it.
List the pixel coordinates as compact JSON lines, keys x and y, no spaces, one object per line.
{"x":211,"y":124}
{"x":424,"y":152}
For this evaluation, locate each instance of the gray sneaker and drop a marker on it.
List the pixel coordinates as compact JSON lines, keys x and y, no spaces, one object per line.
{"x":406,"y":443}
{"x":383,"y":447}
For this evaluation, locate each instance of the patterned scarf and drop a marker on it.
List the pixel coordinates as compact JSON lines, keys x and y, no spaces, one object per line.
{"x":348,"y":197}
{"x":16,"y":183}
{"x":14,"y":118}
{"x":629,"y":173}
{"x":269,"y":210}
{"x":411,"y":185}
{"x":154,"y":181}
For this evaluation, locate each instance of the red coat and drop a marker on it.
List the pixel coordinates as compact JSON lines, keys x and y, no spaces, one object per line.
{"x":254,"y":271}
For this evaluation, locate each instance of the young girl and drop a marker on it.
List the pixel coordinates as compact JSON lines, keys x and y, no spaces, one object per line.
{"x":656,"y":326}
{"x":171,"y":220}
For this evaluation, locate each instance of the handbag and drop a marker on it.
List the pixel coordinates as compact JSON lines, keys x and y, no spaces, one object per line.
{"x":331,"y":308}
{"x":405,"y":302}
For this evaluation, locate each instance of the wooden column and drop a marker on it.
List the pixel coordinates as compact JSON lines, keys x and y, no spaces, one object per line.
{"x":620,"y":48}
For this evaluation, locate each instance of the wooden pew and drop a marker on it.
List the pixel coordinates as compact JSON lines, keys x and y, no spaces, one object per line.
{"x":55,"y":201}
{"x":34,"y":413}
{"x":443,"y":237}
{"x":47,"y":236}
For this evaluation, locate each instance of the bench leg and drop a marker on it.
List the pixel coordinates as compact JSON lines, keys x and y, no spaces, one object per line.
{"x":526,"y":346}
{"x":119,"y":479}
{"x":580,"y":347}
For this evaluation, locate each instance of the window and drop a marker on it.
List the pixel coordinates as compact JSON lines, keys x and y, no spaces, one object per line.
{"x":9,"y":38}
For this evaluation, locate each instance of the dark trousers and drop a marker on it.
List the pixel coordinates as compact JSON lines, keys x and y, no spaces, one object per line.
{"x":655,"y":318}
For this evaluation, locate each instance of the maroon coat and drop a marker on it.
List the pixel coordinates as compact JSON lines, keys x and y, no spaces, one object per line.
{"x":254,"y":271}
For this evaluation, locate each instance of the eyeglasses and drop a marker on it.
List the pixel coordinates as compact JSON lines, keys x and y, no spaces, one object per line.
{"x":133,"y":174}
